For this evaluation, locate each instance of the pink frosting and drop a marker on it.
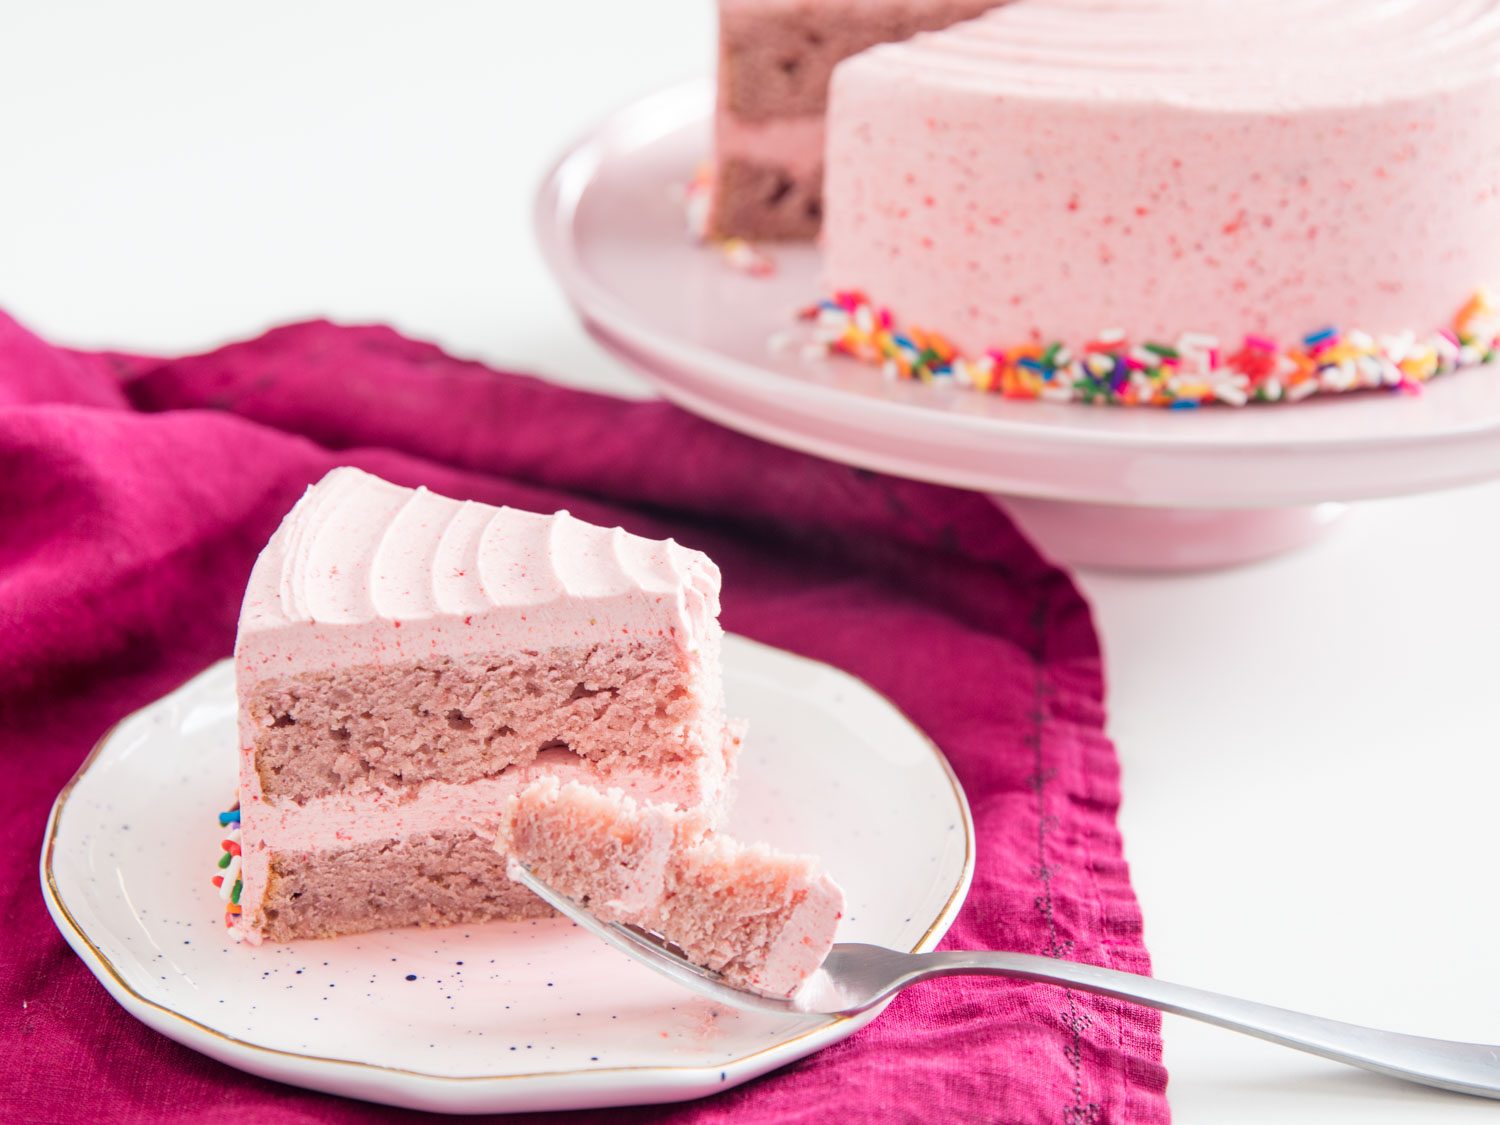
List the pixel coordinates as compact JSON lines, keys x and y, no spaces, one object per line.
{"x":367,"y":572}
{"x":793,"y":143}
{"x":1057,"y":168}
{"x":346,"y":819}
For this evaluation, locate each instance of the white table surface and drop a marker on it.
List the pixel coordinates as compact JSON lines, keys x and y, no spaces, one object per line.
{"x":1311,"y":748}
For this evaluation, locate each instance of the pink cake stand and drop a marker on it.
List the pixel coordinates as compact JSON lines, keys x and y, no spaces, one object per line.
{"x":1117,"y":488}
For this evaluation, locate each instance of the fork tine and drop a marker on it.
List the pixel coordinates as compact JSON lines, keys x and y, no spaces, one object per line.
{"x":648,"y":949}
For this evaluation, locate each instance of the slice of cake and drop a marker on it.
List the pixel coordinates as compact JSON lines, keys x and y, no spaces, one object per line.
{"x":1171,"y":202}
{"x":762,"y":920}
{"x":406,"y":662}
{"x":775,"y":58}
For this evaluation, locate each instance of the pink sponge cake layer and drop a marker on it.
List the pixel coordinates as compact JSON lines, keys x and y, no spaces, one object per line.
{"x":406,"y":662}
{"x":762,"y":920}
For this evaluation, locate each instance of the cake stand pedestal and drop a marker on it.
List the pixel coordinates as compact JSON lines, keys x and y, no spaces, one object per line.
{"x":1115,"y":537}
{"x":1137,"y":489}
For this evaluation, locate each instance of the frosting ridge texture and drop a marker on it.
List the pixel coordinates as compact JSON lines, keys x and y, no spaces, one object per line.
{"x":373,"y":572}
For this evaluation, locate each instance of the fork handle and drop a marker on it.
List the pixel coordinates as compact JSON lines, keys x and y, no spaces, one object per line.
{"x":1466,"y":1068}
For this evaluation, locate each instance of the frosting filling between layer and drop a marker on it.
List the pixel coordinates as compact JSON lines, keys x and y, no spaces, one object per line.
{"x":792,"y":143}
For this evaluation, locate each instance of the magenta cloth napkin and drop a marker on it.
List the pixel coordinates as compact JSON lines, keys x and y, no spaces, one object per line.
{"x":135,"y":494}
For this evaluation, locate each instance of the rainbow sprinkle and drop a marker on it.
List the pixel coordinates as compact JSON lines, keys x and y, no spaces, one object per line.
{"x":228,"y":879}
{"x":1195,"y":371}
{"x":741,"y":255}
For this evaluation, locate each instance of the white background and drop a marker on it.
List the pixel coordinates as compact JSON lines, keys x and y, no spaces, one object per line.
{"x":1309,"y":746}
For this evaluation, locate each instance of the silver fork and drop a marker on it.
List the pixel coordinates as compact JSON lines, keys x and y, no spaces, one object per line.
{"x":855,"y":978}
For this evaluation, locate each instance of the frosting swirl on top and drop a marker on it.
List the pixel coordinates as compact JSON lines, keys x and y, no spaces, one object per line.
{"x":365,"y":571}
{"x":1250,"y":55}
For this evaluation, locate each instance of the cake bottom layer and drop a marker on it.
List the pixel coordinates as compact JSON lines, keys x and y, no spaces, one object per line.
{"x":766,"y":201}
{"x":433,"y":879}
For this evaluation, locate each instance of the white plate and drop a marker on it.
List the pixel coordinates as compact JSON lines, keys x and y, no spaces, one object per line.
{"x":506,"y":1016}
{"x":614,"y":235}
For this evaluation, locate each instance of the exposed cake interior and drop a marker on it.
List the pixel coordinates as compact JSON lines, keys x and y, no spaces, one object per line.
{"x":407,"y":662}
{"x":761,"y":919}
{"x":422,"y":879}
{"x":396,"y":727}
{"x":775,"y":61}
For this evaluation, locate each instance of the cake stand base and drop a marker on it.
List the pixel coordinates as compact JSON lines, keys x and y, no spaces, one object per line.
{"x":1141,"y":490}
{"x":1166,"y":540}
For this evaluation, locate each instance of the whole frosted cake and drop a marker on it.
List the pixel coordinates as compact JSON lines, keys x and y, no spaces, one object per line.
{"x":1170,"y":202}
{"x":406,"y":663}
